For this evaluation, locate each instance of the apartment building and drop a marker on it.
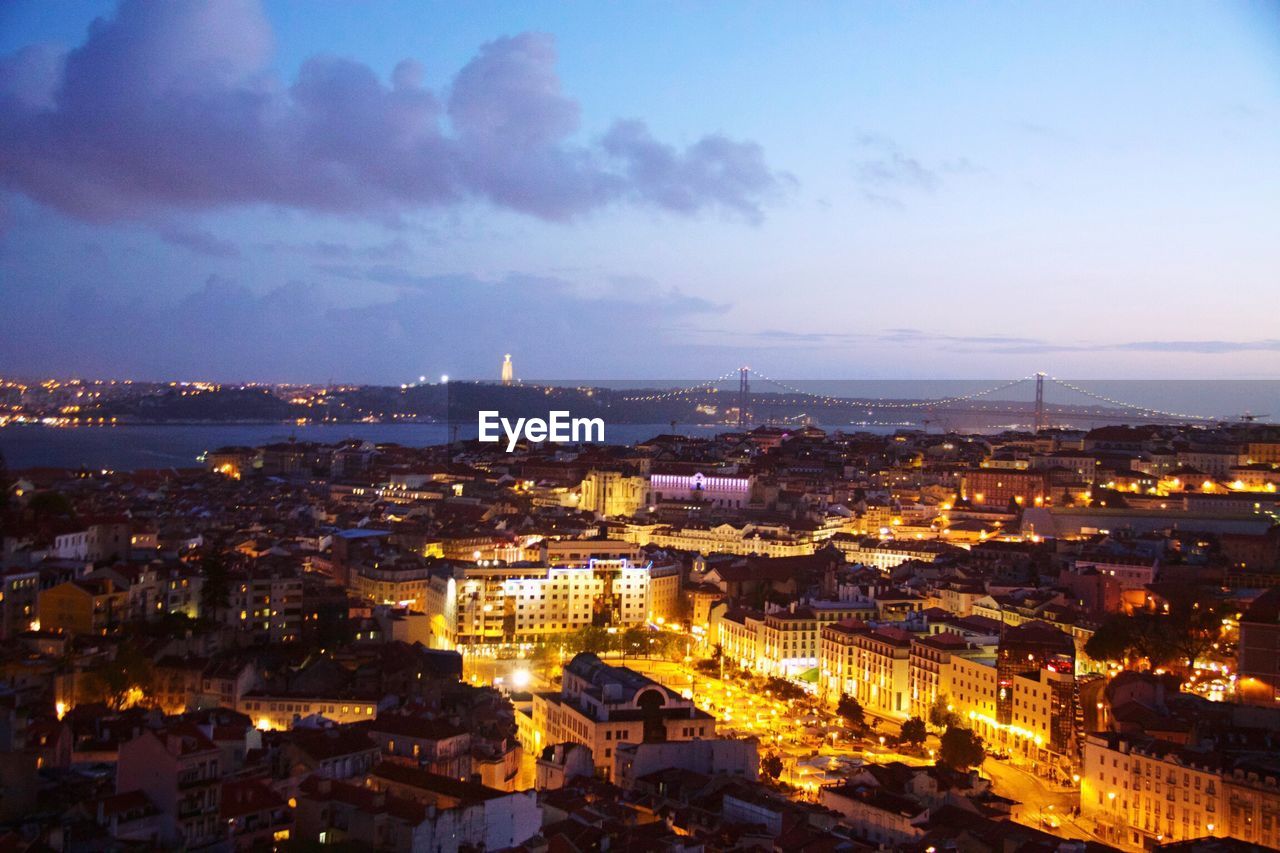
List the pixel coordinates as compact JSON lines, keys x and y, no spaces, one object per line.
{"x":868,"y":663}
{"x":1143,"y":792}
{"x":602,"y":707}
{"x":177,"y":767}
{"x":929,"y":666}
{"x":886,"y":554}
{"x":85,"y":606}
{"x":267,"y":604}
{"x":476,"y":605}
{"x":746,"y":540}
{"x":784,"y":642}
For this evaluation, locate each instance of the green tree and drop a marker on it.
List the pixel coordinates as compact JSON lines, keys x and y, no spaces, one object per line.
{"x":215,"y":592}
{"x":961,"y":749}
{"x":668,"y":645}
{"x":784,"y":689}
{"x":851,"y":710}
{"x":47,"y":506}
{"x":4,"y":489}
{"x":112,"y":681}
{"x":940,"y":713}
{"x":771,"y":765}
{"x":914,"y":731}
{"x":1183,"y":632}
{"x":635,"y":642}
{"x":1116,"y":639}
{"x":591,"y":639}
{"x":1195,"y":625}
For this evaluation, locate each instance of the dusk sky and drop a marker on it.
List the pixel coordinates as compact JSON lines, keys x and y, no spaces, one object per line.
{"x":303,"y":191}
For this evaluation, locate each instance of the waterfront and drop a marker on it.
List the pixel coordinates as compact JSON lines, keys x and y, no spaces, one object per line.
{"x":133,"y":446}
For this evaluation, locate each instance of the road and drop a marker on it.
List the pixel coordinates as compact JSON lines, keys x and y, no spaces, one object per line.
{"x":1041,"y":803}
{"x":803,"y":732}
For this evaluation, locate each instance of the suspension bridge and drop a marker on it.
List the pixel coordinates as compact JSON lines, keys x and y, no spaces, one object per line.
{"x":741,"y":388}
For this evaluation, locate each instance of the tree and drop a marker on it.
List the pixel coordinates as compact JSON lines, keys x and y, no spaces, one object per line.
{"x":112,"y":681}
{"x":940,"y":713}
{"x":667,"y":645}
{"x":707,"y":666}
{"x":47,"y":506}
{"x":1182,"y":630}
{"x":4,"y":488}
{"x":1114,"y":640}
{"x":771,"y":765}
{"x":1195,"y":625}
{"x":591,"y":639}
{"x":215,"y":592}
{"x":784,"y":689}
{"x":635,"y":642}
{"x":851,"y":710}
{"x":961,"y":749}
{"x":914,"y":731}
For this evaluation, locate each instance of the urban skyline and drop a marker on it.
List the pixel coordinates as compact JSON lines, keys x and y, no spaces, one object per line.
{"x":343,"y":507}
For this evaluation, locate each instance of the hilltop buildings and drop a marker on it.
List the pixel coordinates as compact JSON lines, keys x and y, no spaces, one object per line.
{"x":457,"y":647}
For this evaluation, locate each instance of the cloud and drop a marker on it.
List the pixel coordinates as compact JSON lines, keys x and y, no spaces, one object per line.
{"x":886,"y":170}
{"x":199,"y":241}
{"x":994,"y":344}
{"x":327,"y":250}
{"x":1205,"y":347}
{"x":436,"y":324}
{"x":170,"y":106}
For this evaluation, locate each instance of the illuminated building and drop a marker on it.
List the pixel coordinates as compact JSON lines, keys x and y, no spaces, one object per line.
{"x":279,"y":711}
{"x":786,"y":642}
{"x":868,"y":663}
{"x":86,"y":606}
{"x":1143,"y":791}
{"x":749,"y":539}
{"x":998,"y":488}
{"x":603,"y":707}
{"x":508,"y":370}
{"x":1259,"y":640}
{"x":403,"y":584}
{"x":521,"y":604}
{"x":930,"y":665}
{"x":1030,"y":647}
{"x":1044,"y":704}
{"x":267,"y":605}
{"x":731,"y":492}
{"x":612,"y":493}
{"x":885,"y":554}
{"x":972,"y":693}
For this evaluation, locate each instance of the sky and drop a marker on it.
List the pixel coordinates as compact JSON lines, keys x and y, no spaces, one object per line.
{"x":235,"y":190}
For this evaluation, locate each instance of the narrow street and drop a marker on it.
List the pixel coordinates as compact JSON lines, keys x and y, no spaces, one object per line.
{"x":1042,"y":805}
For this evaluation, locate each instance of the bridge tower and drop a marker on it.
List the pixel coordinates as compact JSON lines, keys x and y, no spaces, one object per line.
{"x":1040,"y":419}
{"x":744,"y":391}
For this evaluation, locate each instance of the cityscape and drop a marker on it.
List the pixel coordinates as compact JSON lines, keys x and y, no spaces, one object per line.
{"x":392,"y":454}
